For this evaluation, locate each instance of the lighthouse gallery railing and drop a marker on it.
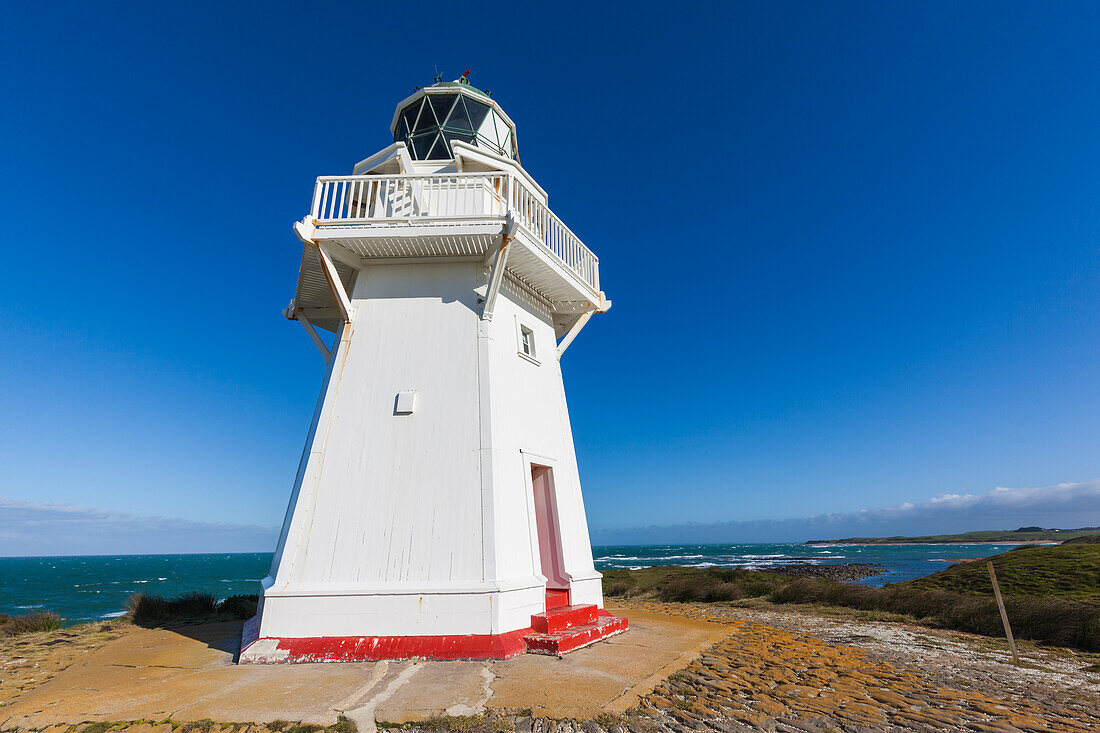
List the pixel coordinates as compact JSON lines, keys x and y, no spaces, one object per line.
{"x":366,"y":200}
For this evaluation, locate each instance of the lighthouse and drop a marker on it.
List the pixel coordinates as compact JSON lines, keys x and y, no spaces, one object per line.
{"x":437,"y":510}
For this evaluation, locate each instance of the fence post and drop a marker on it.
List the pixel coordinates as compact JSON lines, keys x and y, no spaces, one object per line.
{"x":1004,"y":614}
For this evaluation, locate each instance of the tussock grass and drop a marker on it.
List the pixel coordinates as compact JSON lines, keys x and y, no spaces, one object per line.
{"x":29,"y":623}
{"x":148,"y":610}
{"x":1065,"y":622}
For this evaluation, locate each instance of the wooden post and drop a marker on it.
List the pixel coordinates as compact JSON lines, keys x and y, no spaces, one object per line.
{"x":1004,"y":614}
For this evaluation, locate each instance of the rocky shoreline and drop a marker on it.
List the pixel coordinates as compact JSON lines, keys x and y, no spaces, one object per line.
{"x":845,"y":572}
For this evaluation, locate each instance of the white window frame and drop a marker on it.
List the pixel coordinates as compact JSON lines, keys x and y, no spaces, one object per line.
{"x":522,"y":328}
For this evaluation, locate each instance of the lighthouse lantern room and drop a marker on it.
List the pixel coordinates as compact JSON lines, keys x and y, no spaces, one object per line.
{"x":437,"y":509}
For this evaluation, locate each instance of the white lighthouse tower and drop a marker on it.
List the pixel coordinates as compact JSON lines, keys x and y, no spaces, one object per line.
{"x":437,"y":509}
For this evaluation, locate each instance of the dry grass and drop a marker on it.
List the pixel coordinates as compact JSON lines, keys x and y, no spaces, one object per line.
{"x":29,"y":623}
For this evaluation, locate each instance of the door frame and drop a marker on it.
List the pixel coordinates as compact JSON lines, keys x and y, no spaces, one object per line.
{"x":531,"y":461}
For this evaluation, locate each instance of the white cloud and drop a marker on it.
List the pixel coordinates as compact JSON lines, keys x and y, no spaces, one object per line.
{"x":42,"y":528}
{"x":39,"y":528}
{"x":1065,"y":505}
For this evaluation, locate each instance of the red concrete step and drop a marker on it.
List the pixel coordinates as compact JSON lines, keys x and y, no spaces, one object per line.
{"x":576,"y":637}
{"x":556,"y":598}
{"x":560,"y":619}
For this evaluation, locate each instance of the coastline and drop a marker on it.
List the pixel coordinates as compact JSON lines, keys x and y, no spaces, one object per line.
{"x":1014,"y":543}
{"x":84,"y":589}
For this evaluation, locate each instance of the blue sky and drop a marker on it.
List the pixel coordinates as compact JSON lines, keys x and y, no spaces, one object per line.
{"x":854,"y":249}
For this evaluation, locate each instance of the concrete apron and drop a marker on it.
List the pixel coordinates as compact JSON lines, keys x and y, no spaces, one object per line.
{"x":190,"y":674}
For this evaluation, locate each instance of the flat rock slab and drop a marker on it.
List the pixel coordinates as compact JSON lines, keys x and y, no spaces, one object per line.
{"x":189,"y":674}
{"x":184,"y":674}
{"x":606,"y":677}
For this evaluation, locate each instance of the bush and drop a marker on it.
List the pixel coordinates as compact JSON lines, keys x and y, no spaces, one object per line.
{"x":145,"y":610}
{"x":239,"y":607}
{"x":618,"y":588}
{"x":1090,"y":635}
{"x":673,"y":583}
{"x":1068,"y":620}
{"x":29,"y":623}
{"x":701,"y":588}
{"x":1051,"y":620}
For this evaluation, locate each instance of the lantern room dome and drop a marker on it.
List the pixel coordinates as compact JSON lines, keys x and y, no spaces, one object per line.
{"x":434,"y":116}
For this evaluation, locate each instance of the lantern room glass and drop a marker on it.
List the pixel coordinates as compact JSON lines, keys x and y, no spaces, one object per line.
{"x":428,"y":125}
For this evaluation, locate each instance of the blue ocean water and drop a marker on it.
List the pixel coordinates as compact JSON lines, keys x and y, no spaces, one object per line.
{"x":88,"y":588}
{"x":902,"y":562}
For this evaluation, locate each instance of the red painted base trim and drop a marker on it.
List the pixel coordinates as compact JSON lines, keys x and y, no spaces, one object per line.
{"x":576,"y":637}
{"x":374,"y":648}
{"x":601,"y":624}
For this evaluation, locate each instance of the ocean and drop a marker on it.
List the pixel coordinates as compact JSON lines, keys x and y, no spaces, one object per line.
{"x":88,"y":588}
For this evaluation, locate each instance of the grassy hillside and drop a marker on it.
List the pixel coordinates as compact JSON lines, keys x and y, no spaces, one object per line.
{"x":1070,"y":571}
{"x":1024,"y":534}
{"x":1052,"y":593}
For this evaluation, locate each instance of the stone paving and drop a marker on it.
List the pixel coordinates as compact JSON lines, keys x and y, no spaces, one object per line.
{"x":771,"y":678}
{"x":767,"y":677}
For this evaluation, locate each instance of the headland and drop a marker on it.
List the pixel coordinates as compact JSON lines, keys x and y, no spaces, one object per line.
{"x":1021,"y":536}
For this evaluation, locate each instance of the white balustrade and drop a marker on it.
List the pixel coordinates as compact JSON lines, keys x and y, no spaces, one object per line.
{"x":367,"y":200}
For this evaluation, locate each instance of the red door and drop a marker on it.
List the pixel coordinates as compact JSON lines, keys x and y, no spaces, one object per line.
{"x":546,"y":517}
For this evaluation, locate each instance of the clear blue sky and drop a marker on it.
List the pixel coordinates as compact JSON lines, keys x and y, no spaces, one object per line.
{"x":854,"y":249}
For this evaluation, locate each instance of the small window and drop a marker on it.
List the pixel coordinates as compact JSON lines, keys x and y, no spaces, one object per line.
{"x":527,"y":341}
